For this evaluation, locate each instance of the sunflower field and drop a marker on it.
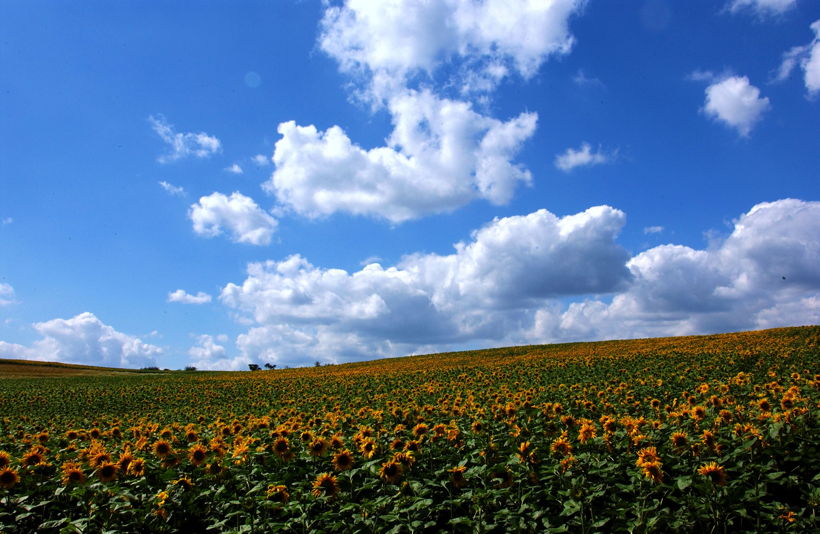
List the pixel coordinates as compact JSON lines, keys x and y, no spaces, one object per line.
{"x":712,"y":433}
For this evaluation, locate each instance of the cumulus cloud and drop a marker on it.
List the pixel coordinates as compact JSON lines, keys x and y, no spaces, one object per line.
{"x":762,"y":7}
{"x":84,"y":339}
{"x":477,"y":292}
{"x":583,"y":157}
{"x":735,"y":102}
{"x":209,"y":354}
{"x":808,"y":58}
{"x":6,"y":294}
{"x":237,"y":214}
{"x":172,"y":189}
{"x":440,"y":155}
{"x":182,"y":296}
{"x":234,"y":169}
{"x":182,"y":145}
{"x":535,"y":278}
{"x":390,"y":42}
{"x":764,"y":274}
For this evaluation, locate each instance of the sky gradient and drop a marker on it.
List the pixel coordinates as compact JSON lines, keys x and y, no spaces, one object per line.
{"x":297,"y":181}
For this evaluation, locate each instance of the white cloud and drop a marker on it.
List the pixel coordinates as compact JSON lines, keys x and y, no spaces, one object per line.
{"x":182,"y":296}
{"x":582,"y":80}
{"x":208,"y":354}
{"x":172,"y":189}
{"x":390,"y":42}
{"x":478,"y":292}
{"x":735,"y":102}
{"x":84,"y":339}
{"x":764,"y":274}
{"x":261,"y":160}
{"x":583,"y":157}
{"x":238,"y":214}
{"x":508,"y":285}
{"x":6,"y":294}
{"x":763,"y":7}
{"x":7,"y":220}
{"x":234,"y":169}
{"x":440,"y":156}
{"x":808,"y":57}
{"x":200,"y":145}
{"x":653,"y":229}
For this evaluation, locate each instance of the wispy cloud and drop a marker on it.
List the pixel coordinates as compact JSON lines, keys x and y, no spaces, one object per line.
{"x":582,"y":157}
{"x":234,"y":169}
{"x":653,"y":229}
{"x":172,"y":189}
{"x":182,"y":145}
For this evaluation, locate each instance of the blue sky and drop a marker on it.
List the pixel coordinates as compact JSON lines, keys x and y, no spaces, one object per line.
{"x":222,"y":183}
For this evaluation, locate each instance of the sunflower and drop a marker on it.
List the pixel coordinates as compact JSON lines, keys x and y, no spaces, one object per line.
{"x":412,"y":446}
{"x":71,"y":435}
{"x":368,"y":448}
{"x":136,"y":467}
{"x":396,"y":445}
{"x":679,"y":439}
{"x":647,"y":455}
{"x":477,"y":427}
{"x":715,"y":472}
{"x":162,"y":448}
{"x":708,"y":439}
{"x":325,"y":485}
{"x":337,"y":441}
{"x":107,"y":472}
{"x":8,"y":478}
{"x":406,"y":459}
{"x":391,"y":472}
{"x":318,"y":447}
{"x":420,"y":429}
{"x":698,"y":413}
{"x":125,"y":460}
{"x":652,"y":471}
{"x":281,"y":447}
{"x":457,"y":476}
{"x":32,"y":458}
{"x":278,"y":493}
{"x":5,"y":459}
{"x":197,"y":454}
{"x":343,"y":460}
{"x":561,"y":446}
{"x":72,"y":473}
{"x":587,"y":432}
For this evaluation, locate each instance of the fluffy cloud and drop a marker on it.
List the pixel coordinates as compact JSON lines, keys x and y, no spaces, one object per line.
{"x":261,"y":160}
{"x":763,"y":7}
{"x":478,"y":292}
{"x":209,"y":354}
{"x":172,"y":189}
{"x":234,"y":169}
{"x":808,"y":57}
{"x":238,"y":214}
{"x":6,"y":294}
{"x":441,"y":155}
{"x":509,"y":284}
{"x":181,"y":296}
{"x":583,"y":157}
{"x":735,"y":102}
{"x":84,"y":339}
{"x":764,"y":274}
{"x":181,"y":145}
{"x":390,"y":42}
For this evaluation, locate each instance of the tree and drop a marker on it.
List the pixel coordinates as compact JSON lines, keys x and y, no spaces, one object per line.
{"x":270,"y":367}
{"x":253,"y":367}
{"x":190,"y":368}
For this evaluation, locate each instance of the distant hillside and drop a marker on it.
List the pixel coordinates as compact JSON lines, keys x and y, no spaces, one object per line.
{"x":38,"y":369}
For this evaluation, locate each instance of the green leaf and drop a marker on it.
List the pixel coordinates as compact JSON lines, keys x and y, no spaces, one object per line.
{"x":684,"y":482}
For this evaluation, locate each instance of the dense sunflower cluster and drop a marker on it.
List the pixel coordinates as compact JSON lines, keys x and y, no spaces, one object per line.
{"x":717,"y":432}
